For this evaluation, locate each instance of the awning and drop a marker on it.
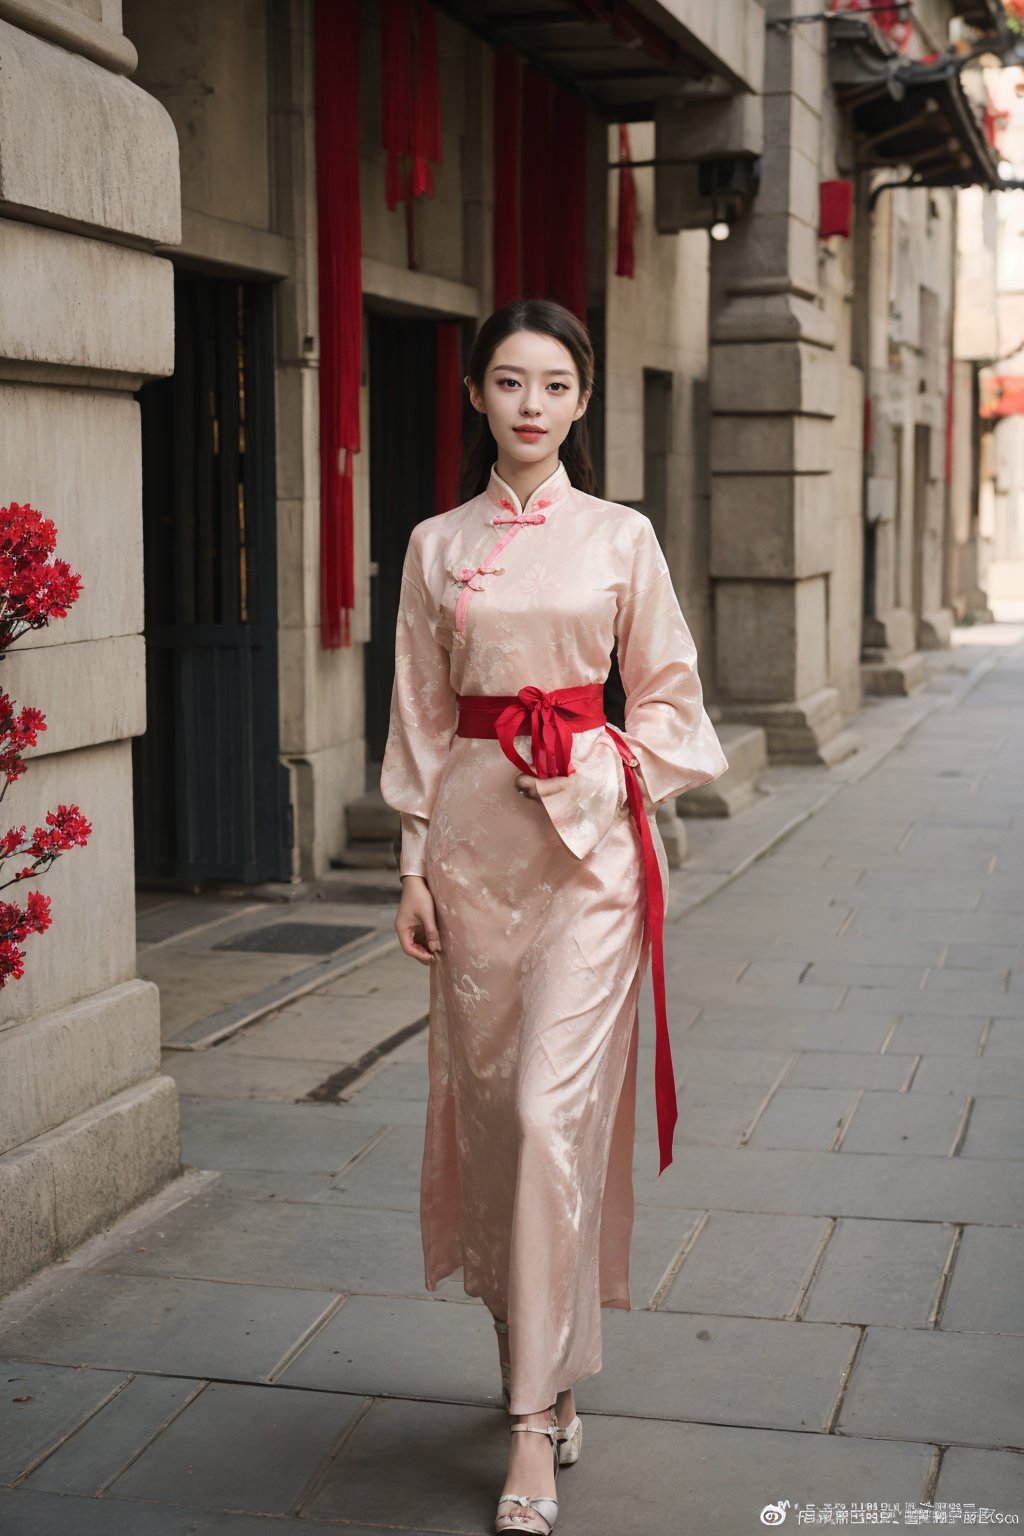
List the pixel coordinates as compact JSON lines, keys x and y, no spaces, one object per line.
{"x":908,"y":113}
{"x":622,"y":55}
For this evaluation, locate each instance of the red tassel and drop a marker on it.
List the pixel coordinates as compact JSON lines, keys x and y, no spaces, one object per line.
{"x":534,"y":170}
{"x":448,"y":424}
{"x":568,"y":209}
{"x":506,"y":175}
{"x":625,"y":257}
{"x":339,"y":250}
{"x":396,"y":93}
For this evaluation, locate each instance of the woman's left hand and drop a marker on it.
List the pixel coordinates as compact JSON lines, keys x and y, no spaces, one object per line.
{"x":533,"y":788}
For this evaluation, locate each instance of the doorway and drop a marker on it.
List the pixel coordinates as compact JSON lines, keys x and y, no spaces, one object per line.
{"x":211,"y":797}
{"x":402,"y":362}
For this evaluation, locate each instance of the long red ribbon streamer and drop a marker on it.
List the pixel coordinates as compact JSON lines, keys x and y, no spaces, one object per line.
{"x":552,"y":718}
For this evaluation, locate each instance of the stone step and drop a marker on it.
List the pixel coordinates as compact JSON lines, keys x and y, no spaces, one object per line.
{"x":366,"y":853}
{"x":368,"y":819}
{"x":746,"y":747}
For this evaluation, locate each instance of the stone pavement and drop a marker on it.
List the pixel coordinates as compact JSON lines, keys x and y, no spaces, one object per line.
{"x":828,"y":1282}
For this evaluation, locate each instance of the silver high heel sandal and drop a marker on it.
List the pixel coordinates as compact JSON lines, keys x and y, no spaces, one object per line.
{"x":537,"y":1516}
{"x":571,"y":1434}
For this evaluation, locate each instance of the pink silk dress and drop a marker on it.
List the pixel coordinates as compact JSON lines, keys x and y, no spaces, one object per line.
{"x":527,"y":1182}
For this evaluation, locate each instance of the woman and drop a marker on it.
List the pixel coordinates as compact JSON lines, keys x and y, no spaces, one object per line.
{"x":525,"y":891}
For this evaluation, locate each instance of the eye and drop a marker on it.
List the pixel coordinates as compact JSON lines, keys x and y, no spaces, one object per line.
{"x":558,"y":385}
{"x":508,"y":381}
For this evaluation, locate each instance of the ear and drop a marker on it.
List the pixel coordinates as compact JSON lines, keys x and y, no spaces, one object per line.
{"x":474,"y":397}
{"x":581,"y":407}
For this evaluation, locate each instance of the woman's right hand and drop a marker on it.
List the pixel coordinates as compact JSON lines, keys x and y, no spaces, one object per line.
{"x":416,"y":921}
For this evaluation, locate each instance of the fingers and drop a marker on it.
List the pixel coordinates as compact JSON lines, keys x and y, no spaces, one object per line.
{"x":418,"y":935}
{"x":410,"y":947}
{"x":534,"y":788}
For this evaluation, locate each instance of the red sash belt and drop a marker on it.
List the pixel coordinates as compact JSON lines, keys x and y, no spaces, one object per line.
{"x":551,"y":719}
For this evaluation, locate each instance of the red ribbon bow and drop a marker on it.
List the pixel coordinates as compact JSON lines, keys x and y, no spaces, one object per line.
{"x":551,"y":738}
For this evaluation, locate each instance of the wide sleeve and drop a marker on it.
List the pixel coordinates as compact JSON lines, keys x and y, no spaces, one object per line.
{"x":666,"y":724}
{"x":424,"y":714}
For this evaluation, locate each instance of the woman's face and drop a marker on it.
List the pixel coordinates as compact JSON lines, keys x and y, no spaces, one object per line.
{"x":531,"y":396}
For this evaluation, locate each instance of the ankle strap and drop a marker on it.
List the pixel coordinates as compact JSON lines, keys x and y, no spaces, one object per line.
{"x":537,"y":1429}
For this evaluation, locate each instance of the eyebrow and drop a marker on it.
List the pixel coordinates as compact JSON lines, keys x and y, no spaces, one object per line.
{"x":512,"y":368}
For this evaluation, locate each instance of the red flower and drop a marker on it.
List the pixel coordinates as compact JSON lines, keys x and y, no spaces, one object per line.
{"x":12,"y":963}
{"x":38,"y":911}
{"x":34,"y":588}
{"x":11,"y":841}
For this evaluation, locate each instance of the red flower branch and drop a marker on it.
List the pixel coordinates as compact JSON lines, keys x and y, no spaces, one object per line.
{"x":34,"y":588}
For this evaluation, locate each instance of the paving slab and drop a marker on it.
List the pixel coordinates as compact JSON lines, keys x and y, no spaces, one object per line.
{"x":983,"y":955}
{"x":710,"y":1116}
{"x":451,"y":1461}
{"x":27,"y":1512}
{"x":747,"y":1264}
{"x":106,"y":1442}
{"x":226,"y":1133}
{"x":924,"y":1124}
{"x":884,"y":1272}
{"x":243,"y":1448}
{"x":832,"y":973}
{"x":392,"y":1081}
{"x":804,"y":1118}
{"x":657,"y":1244}
{"x":449,"y":1351}
{"x":153,"y":1323}
{"x":320,"y":1247}
{"x":41,"y":1405}
{"x":967,"y":979}
{"x":983,"y":1075}
{"x":995,"y":1129}
{"x":853,"y":1069}
{"x":985,"y":1293}
{"x":727,"y":1029}
{"x":1005,"y":1038}
{"x":272,"y":1080}
{"x":723,"y":1370}
{"x":907,"y":1188}
{"x":933,"y":1037}
{"x":718,"y":1069}
{"x":947,"y":1388}
{"x":987,"y":1479}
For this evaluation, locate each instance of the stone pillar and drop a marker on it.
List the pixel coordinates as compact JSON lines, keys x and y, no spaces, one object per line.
{"x":776,"y":387}
{"x":89,"y":185}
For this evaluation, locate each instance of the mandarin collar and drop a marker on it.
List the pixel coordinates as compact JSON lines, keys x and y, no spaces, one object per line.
{"x":551,"y":490}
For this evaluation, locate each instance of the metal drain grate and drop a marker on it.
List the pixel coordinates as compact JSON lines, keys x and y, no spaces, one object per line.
{"x":296,"y":939}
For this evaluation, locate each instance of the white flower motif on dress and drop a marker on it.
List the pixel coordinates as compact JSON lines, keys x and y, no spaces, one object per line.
{"x":531,"y":588}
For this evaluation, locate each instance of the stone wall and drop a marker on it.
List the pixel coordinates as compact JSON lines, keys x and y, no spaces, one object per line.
{"x":89,"y":188}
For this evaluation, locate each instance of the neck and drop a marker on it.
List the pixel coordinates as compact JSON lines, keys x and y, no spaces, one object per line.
{"x":525,"y":478}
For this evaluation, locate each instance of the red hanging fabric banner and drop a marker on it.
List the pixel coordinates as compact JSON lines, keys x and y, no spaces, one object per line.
{"x":506,"y":175}
{"x":396,"y":94}
{"x":567,"y":219}
{"x":534,"y":170}
{"x":339,"y":250}
{"x":448,"y":427}
{"x":426,"y":137}
{"x":625,"y":256}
